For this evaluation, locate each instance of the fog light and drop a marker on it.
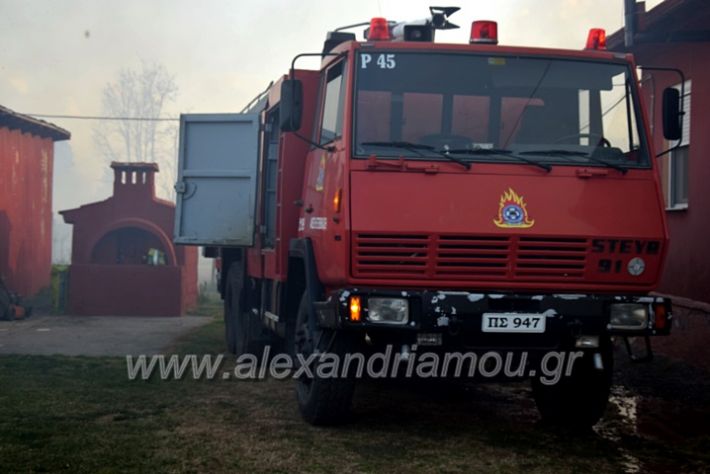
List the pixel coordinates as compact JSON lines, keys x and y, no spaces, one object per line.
{"x":662,"y":316}
{"x":388,"y":310}
{"x":355,"y":308}
{"x":629,"y":316}
{"x":587,"y":342}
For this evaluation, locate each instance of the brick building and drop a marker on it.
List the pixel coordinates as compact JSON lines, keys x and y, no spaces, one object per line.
{"x":123,"y":258}
{"x":676,"y":34}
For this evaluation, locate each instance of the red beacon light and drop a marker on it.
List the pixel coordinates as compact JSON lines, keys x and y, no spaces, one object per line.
{"x":379,"y":30}
{"x":484,"y":31}
{"x":596,"y":39}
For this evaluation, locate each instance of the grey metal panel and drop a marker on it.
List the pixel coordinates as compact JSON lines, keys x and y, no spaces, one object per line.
{"x":216,"y":187}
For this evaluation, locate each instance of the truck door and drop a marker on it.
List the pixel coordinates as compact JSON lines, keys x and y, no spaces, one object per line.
{"x":217,"y":178}
{"x":325,"y":173}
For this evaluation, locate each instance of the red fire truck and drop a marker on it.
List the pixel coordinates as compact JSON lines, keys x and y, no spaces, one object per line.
{"x":439,"y":197}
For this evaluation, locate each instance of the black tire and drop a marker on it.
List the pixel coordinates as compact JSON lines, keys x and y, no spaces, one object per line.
{"x":322,"y":401}
{"x":232,"y":295}
{"x":243,"y":330}
{"x":577,"y":402}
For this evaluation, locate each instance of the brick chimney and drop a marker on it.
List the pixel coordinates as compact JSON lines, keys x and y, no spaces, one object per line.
{"x":134,"y":179}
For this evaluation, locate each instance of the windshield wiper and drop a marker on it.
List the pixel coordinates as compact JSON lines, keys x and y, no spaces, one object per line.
{"x":500,"y":152}
{"x":416,"y":148}
{"x":588,"y":156}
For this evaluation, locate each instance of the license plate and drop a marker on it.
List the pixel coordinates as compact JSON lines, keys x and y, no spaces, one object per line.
{"x":513,"y":322}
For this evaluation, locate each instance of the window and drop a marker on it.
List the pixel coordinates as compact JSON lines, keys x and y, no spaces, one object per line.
{"x":332,"y":125}
{"x":678,"y":179}
{"x":557,"y":111}
{"x":677,"y":196}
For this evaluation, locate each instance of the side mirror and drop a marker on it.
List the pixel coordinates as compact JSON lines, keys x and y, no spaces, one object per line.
{"x":672,"y":118}
{"x":291,"y":106}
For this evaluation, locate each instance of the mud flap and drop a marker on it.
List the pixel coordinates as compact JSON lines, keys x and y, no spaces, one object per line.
{"x":647,"y":357}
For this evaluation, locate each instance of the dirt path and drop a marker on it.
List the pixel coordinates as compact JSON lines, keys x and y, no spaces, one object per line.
{"x":93,"y":335}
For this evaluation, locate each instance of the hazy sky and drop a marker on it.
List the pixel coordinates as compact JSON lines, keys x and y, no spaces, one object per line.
{"x":57,"y":55}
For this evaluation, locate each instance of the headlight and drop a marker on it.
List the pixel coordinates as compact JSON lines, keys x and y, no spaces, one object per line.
{"x":388,"y":310}
{"x":629,"y":316}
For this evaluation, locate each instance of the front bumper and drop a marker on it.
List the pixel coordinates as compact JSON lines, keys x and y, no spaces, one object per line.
{"x":457,"y":315}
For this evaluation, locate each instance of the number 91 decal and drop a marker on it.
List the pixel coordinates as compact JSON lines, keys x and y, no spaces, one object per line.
{"x":382,"y":61}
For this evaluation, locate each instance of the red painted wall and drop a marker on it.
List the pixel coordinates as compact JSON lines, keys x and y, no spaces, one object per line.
{"x":26,"y":163}
{"x":129,"y":290}
{"x":687,"y":271}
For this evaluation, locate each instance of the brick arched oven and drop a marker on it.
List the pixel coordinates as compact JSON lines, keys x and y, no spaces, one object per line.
{"x":123,"y":258}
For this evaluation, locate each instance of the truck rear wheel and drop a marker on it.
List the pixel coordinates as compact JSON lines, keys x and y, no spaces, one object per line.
{"x":242,"y":329}
{"x":578,"y":401}
{"x":321,"y":401}
{"x":232,"y":293}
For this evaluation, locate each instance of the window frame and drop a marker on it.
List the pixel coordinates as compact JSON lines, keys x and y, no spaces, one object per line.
{"x":271,"y":140}
{"x":684,"y":144}
{"x":340,"y":116}
{"x":634,"y":103}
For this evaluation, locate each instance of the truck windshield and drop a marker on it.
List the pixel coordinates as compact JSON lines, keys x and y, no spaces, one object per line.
{"x":497,"y":109}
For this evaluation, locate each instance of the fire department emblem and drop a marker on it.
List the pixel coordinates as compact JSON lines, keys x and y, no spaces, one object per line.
{"x":512,"y":212}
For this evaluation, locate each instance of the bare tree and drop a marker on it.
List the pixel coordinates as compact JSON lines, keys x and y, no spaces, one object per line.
{"x":137,"y":95}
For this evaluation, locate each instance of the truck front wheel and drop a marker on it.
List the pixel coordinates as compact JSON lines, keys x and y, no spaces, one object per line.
{"x":577,"y":401}
{"x":322,"y":400}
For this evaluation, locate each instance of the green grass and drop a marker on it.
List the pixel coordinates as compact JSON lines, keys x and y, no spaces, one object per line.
{"x":80,"y":414}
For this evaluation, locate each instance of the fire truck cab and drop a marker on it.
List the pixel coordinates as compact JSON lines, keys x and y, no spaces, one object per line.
{"x":435,"y":197}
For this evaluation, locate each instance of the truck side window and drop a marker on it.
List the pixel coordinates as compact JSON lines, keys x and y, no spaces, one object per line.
{"x":332,"y":125}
